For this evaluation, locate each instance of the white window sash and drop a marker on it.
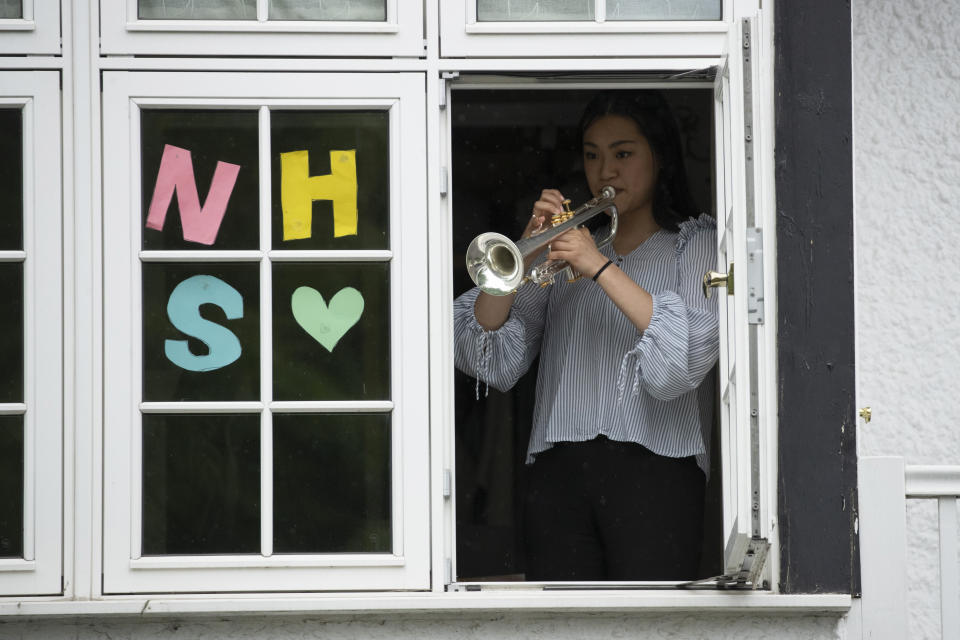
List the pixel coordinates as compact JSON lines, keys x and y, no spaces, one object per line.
{"x":408,"y":566}
{"x":401,"y":34}
{"x":39,"y":571}
{"x":36,"y":32}
{"x":463,"y":35}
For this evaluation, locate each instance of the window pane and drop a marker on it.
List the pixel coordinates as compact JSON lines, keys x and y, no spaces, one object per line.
{"x":664,"y":9}
{"x":368,"y":10}
{"x":361,"y":184}
{"x":534,"y":10}
{"x":198,"y":9}
{"x":331,"y":483}
{"x":201,"y":484}
{"x":201,"y":331}
{"x":11,"y":179}
{"x":11,"y":326}
{"x":11,"y":479}
{"x":181,"y":156}
{"x":331,"y":331}
{"x":11,"y":8}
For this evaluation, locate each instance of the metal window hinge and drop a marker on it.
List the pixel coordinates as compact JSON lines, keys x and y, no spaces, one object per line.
{"x":754,"y":275}
{"x":748,"y":577}
{"x":447,"y":483}
{"x":444,"y":182}
{"x":446,"y":77}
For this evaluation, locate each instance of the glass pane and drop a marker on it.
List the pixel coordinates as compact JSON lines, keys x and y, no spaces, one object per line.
{"x":331,"y":331}
{"x":664,"y":9}
{"x":351,"y":208}
{"x":534,"y":10}
{"x":197,"y":9}
{"x":201,"y":331}
{"x":183,"y":154}
{"x":11,"y":479}
{"x":11,"y":9}
{"x":367,"y":10}
{"x":11,"y":326}
{"x":201,"y":484}
{"x":11,"y":179}
{"x":331,"y":490}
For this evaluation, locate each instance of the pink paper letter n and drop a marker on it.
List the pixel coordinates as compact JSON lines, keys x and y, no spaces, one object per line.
{"x":176,"y":174}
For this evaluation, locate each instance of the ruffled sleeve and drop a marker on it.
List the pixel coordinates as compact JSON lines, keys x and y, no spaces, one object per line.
{"x":499,"y":358}
{"x":681,"y":343}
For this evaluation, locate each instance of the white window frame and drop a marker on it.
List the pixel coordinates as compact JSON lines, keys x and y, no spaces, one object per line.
{"x":401,"y":34}
{"x":463,"y":35}
{"x":408,"y":566}
{"x":40,"y":569}
{"x":37,"y":32}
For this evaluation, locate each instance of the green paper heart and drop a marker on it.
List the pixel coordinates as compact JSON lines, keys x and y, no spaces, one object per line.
{"x":326,"y":324}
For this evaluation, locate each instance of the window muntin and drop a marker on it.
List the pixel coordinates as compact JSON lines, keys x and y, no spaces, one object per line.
{"x":30,"y":346}
{"x":320,"y":364}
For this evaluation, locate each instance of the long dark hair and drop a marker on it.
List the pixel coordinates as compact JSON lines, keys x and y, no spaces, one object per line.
{"x":672,"y":202}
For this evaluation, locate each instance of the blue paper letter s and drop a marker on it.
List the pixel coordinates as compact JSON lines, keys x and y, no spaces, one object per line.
{"x":183,"y":308}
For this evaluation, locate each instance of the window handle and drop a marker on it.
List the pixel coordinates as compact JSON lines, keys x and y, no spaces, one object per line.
{"x":714,"y":279}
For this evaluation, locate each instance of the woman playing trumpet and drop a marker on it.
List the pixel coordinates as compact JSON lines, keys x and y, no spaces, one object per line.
{"x":617,"y":455}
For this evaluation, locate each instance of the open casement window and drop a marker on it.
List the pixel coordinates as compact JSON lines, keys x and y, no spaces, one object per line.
{"x":537,"y":115}
{"x":745,"y":337}
{"x":30,"y":345}
{"x":352,"y":28}
{"x":265,"y":328}
{"x":29,"y":27}
{"x":585,"y":28}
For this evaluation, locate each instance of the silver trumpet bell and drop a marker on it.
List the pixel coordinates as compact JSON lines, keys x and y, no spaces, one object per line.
{"x":496,"y":263}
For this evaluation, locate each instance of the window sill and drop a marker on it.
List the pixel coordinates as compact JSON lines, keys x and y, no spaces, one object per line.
{"x":258,"y":604}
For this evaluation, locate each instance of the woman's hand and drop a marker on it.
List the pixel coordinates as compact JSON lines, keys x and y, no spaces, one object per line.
{"x":578,"y":248}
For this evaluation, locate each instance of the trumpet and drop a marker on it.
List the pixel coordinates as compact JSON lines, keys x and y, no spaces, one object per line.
{"x":496,"y":264}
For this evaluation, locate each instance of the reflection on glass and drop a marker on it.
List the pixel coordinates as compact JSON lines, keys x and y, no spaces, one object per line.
{"x":331,"y":331}
{"x":205,"y":309}
{"x":365,"y":10}
{"x":197,"y":9}
{"x":318,"y":133}
{"x":211,"y":136}
{"x":201,"y":484}
{"x":664,"y":9}
{"x":533,"y":10}
{"x":11,"y":9}
{"x":11,"y":332}
{"x":11,"y":179}
{"x":331,"y":490}
{"x":11,"y":479}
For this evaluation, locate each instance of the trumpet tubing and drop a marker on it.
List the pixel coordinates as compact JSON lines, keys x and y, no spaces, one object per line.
{"x":496,"y":264}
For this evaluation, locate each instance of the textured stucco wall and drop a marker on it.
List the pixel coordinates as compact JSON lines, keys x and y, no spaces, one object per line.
{"x":513,"y":626}
{"x":907,"y":195}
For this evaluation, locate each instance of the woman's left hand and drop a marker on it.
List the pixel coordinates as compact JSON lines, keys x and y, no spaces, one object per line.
{"x":578,"y":248}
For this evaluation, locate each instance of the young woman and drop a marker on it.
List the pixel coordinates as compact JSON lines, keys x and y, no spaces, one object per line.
{"x":617,"y":455}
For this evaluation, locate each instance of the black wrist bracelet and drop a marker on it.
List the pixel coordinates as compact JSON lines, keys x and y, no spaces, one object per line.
{"x":597,"y":274}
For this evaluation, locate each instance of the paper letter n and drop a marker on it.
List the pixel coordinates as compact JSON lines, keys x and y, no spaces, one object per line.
{"x":298,"y":190}
{"x":200,"y":224}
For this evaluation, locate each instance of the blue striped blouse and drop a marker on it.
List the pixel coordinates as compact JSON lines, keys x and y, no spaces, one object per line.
{"x":598,"y":375}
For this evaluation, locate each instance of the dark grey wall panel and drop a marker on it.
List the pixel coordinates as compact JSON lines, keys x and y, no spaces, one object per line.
{"x":814,"y":181}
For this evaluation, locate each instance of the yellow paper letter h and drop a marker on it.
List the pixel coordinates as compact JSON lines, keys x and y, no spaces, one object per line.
{"x":298,"y":190}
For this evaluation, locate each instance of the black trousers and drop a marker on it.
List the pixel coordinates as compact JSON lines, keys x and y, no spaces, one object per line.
{"x":606,"y":510}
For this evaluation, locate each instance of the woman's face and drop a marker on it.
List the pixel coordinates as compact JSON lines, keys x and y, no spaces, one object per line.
{"x":615,"y":153}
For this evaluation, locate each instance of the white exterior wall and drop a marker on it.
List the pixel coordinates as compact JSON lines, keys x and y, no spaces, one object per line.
{"x":907,"y":190}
